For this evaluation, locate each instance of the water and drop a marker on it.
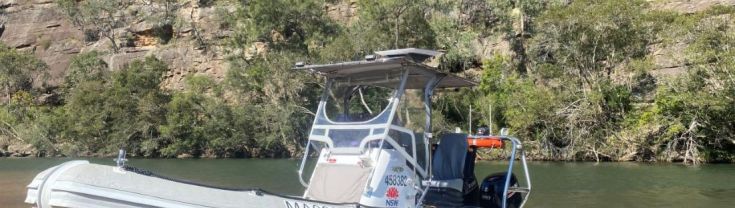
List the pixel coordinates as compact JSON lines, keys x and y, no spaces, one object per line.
{"x":554,"y":184}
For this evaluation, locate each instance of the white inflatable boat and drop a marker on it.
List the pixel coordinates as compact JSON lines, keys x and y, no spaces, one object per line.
{"x":364,"y":154}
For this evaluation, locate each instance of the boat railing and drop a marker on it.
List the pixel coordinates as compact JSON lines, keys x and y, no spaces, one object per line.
{"x":515,"y":148}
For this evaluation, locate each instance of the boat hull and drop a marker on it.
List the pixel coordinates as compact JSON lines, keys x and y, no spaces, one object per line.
{"x":81,"y":184}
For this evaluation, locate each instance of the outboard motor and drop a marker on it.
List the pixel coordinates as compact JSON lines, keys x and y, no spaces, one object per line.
{"x":491,"y":191}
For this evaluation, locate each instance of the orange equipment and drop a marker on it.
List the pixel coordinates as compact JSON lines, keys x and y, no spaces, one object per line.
{"x":485,"y":141}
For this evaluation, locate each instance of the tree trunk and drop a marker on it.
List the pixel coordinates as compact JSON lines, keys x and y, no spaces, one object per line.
{"x":395,"y":45}
{"x":7,"y":94}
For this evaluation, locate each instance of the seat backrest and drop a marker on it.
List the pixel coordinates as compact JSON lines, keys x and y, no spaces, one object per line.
{"x":449,"y":157}
{"x":338,"y":183}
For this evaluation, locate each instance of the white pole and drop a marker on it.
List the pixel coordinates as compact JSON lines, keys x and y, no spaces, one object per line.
{"x":470,"y":132}
{"x":490,"y":125}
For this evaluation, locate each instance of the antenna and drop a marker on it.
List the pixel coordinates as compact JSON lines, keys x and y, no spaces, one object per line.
{"x":490,"y":125}
{"x":470,"y":132}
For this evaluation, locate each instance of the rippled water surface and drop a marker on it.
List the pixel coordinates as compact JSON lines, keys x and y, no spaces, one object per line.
{"x":554,"y":184}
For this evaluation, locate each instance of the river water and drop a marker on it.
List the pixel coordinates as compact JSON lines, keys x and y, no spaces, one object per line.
{"x":554,"y":184}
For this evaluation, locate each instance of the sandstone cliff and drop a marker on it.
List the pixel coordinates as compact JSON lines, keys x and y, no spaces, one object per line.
{"x":38,"y":26}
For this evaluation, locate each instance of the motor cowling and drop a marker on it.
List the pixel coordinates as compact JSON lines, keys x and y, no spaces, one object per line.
{"x":491,"y":191}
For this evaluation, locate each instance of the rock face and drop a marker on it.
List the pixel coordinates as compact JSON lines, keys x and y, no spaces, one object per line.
{"x":690,"y":6}
{"x":38,"y":27}
{"x":670,"y":59}
{"x":344,"y":12}
{"x":21,"y":150}
{"x":41,"y":28}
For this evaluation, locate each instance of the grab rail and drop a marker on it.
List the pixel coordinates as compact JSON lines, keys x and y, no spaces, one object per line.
{"x":527,"y":190}
{"x":301,"y":167}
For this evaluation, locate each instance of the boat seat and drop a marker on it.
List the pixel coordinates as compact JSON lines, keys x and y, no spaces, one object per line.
{"x":449,"y":158}
{"x":453,"y":180}
{"x":337,"y":183}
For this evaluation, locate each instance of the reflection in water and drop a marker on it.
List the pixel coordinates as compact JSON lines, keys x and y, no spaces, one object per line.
{"x":554,"y":184}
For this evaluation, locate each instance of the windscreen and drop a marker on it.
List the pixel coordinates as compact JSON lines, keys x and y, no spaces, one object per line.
{"x":350,"y":113}
{"x":356,"y":113}
{"x":411,"y":115}
{"x":356,"y":103}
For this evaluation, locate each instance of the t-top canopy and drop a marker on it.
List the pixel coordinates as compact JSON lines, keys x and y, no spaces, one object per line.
{"x":378,"y":70}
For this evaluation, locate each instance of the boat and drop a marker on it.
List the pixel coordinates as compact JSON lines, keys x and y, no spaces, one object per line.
{"x":362,"y":152}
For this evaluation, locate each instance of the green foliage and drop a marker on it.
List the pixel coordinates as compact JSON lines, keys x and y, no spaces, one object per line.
{"x":517,"y":103}
{"x":283,"y":24}
{"x":18,"y":71}
{"x":591,"y":37}
{"x":201,"y":124}
{"x":275,"y":97}
{"x":83,"y":68}
{"x":184,"y":125}
{"x":459,"y":44}
{"x":119,"y":110}
{"x":569,"y":105}
{"x":578,"y":81}
{"x":98,"y":18}
{"x":389,"y":24}
{"x":380,"y":25}
{"x":699,"y":104}
{"x":44,"y":130}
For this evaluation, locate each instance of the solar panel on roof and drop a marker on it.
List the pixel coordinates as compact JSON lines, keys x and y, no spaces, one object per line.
{"x":392,"y":61}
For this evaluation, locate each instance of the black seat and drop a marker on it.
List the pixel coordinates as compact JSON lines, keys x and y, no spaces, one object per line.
{"x":449,"y":157}
{"x":453,"y":183}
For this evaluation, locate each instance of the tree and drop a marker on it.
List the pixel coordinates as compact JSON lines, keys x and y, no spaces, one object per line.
{"x":265,"y":85}
{"x":456,"y":38}
{"x":18,"y":71}
{"x":389,"y":24}
{"x":200,"y":123}
{"x":99,"y":18}
{"x":278,"y":97}
{"x":137,"y":102}
{"x":163,"y":13}
{"x":568,"y":104}
{"x":289,"y":25}
{"x":121,"y":110}
{"x":588,"y":39}
{"x":85,"y":67}
{"x":696,"y":109}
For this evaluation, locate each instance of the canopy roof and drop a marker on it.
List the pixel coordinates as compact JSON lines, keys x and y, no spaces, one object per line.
{"x":384,"y":69}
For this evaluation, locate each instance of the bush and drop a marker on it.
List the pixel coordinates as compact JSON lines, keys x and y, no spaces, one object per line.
{"x":119,"y":110}
{"x":18,"y":71}
{"x":84,"y":67}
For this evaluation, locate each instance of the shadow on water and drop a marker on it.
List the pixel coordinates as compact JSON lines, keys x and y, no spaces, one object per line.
{"x":555,"y":184}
